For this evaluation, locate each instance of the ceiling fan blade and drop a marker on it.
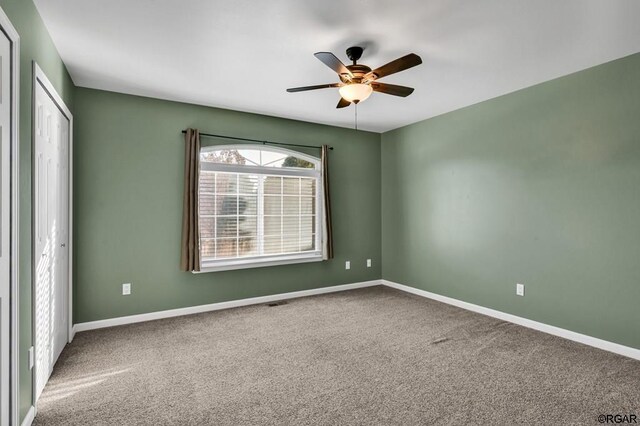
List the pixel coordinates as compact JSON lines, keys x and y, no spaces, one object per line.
{"x":343,"y":103}
{"x":392,"y":89}
{"x":400,"y":64}
{"x":330,"y":60}
{"x":305,"y":88}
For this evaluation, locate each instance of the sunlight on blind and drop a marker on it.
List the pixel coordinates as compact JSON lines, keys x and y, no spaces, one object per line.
{"x":244,"y":215}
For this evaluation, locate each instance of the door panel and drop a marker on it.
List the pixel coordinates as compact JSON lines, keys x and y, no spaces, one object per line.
{"x":60,"y":309}
{"x":51,"y":222}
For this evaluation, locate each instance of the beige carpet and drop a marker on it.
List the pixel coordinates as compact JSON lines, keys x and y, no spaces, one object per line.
{"x":372,"y":356}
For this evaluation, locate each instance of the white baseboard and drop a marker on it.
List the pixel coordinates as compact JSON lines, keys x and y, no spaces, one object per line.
{"x":112,"y":322}
{"x":31,"y":415}
{"x":545,"y":328}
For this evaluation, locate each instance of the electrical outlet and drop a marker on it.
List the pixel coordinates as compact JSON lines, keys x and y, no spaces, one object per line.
{"x":520,"y":289}
{"x":32,"y":360}
{"x":347,"y":264}
{"x":368,"y":263}
{"x":126,"y":289}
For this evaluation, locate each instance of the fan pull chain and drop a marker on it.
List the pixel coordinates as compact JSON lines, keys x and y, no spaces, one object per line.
{"x":356,"y":105}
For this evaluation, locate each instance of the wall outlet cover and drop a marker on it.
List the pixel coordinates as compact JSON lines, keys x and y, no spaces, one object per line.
{"x":520,"y":289}
{"x":347,"y":264}
{"x":368,"y":263}
{"x":126,"y":289}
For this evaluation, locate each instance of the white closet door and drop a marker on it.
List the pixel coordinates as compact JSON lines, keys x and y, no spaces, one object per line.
{"x":5,"y":210}
{"x":61,"y":277}
{"x":51,"y":230}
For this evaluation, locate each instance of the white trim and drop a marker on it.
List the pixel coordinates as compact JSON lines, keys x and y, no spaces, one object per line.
{"x":14,"y":38}
{"x":545,"y":328}
{"x":39,"y":77}
{"x":539,"y":326}
{"x":131,"y":319}
{"x":30,"y":417}
{"x":257,"y":262}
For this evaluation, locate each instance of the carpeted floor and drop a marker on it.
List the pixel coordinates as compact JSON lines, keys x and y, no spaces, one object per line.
{"x":373,"y":356}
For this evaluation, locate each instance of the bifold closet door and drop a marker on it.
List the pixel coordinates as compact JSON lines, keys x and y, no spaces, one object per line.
{"x":51,"y":217}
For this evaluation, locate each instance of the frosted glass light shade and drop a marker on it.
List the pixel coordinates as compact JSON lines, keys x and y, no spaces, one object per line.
{"x":355,"y":92}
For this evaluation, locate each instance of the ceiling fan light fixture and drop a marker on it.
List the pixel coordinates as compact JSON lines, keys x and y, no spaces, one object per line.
{"x":357,"y":81}
{"x":355,"y":92}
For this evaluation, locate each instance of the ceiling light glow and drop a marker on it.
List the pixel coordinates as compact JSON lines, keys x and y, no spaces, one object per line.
{"x":355,"y":92}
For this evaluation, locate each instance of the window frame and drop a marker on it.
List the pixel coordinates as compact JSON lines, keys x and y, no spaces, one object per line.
{"x":266,"y":260}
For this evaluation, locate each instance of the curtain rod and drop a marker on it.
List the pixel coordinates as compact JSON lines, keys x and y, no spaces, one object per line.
{"x":211,"y":135}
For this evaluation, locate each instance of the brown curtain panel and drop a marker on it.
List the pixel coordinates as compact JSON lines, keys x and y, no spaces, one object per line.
{"x":190,"y":255}
{"x":328,"y":234}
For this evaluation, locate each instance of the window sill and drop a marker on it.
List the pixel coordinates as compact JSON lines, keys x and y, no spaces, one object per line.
{"x":216,"y":266}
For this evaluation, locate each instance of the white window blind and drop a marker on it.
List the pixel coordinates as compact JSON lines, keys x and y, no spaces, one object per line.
{"x":258,"y":205}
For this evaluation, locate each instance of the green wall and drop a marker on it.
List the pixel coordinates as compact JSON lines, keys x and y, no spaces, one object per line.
{"x":128,"y":165}
{"x":541,"y":187}
{"x":35,"y":44}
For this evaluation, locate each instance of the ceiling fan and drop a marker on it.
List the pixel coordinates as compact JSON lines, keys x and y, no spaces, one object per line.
{"x":358,"y":81}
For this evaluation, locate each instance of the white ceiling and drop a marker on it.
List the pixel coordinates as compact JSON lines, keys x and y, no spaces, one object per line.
{"x":243,"y":54}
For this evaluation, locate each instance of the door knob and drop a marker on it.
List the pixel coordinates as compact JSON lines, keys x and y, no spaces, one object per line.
{"x":63,"y":245}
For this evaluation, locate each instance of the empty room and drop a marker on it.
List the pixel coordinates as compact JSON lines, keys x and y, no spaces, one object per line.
{"x":291,"y":212}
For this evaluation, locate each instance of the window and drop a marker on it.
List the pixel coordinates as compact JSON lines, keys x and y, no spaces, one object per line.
{"x":258,"y":206}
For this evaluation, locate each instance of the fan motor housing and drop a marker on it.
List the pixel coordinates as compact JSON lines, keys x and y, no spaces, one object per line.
{"x":358,"y":71}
